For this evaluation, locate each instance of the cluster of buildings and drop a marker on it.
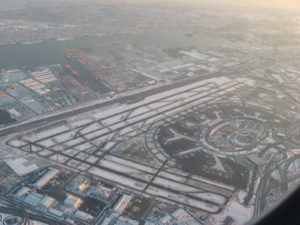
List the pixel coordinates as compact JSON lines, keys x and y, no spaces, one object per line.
{"x":35,"y":24}
{"x":26,"y":93}
{"x":16,"y":31}
{"x":33,"y":196}
{"x":129,"y":66}
{"x":164,"y":217}
{"x":64,"y":207}
{"x":179,"y":217}
{"x":83,"y":201}
{"x":82,"y":186}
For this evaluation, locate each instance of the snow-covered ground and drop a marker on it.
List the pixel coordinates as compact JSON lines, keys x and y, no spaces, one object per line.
{"x":90,"y":135}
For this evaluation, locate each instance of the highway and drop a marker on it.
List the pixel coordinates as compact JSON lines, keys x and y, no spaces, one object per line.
{"x":25,"y":216}
{"x":16,"y":212}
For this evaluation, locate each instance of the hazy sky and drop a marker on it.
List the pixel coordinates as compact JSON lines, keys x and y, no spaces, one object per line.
{"x":282,"y":4}
{"x":286,"y":4}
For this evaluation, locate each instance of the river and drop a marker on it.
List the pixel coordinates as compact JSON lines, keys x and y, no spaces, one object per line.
{"x":52,"y":51}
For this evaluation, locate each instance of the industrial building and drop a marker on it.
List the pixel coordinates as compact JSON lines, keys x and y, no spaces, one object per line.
{"x":122,"y":203}
{"x":46,"y":178}
{"x":72,"y":202}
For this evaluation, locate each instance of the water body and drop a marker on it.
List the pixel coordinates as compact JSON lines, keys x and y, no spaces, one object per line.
{"x":5,"y":118}
{"x":52,"y":51}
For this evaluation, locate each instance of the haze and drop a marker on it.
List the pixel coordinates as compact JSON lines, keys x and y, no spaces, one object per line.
{"x":281,"y":4}
{"x":148,"y":111}
{"x":288,"y":4}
